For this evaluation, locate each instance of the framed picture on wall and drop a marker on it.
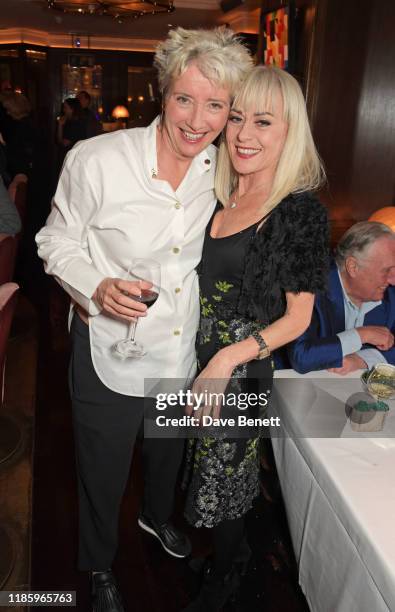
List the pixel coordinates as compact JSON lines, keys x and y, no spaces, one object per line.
{"x":277,"y":36}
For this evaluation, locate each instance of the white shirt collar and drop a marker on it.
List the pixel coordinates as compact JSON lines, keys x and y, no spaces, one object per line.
{"x":365,"y":306}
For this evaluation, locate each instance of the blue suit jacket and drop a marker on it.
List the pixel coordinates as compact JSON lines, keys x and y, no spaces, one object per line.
{"x":319,"y":347}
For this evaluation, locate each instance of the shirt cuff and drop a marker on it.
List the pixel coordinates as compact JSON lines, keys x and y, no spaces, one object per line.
{"x":371,"y":357}
{"x":81,"y":280}
{"x":350,"y":341}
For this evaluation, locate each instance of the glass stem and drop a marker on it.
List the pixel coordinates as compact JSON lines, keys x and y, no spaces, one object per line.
{"x":132,"y":330}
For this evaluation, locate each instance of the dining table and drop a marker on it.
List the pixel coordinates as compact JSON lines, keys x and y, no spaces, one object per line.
{"x":338,"y":486}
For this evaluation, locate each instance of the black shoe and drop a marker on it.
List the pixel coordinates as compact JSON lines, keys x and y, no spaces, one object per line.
{"x":215,"y":592}
{"x":105,"y":594}
{"x":173,"y":541}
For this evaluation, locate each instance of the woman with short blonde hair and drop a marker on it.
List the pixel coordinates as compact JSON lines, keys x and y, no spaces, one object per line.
{"x":139,"y":193}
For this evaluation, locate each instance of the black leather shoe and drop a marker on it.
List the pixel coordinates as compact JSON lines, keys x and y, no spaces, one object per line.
{"x":173,"y":541}
{"x":105,"y":594}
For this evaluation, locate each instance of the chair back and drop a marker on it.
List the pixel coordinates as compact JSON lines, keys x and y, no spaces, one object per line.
{"x":8,"y":245}
{"x":8,"y":296}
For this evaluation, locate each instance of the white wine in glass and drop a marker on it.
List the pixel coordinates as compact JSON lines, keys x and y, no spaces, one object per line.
{"x":140,"y":270}
{"x":381,"y":382}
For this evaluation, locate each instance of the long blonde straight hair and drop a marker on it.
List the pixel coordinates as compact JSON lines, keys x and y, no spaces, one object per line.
{"x":299,"y":167}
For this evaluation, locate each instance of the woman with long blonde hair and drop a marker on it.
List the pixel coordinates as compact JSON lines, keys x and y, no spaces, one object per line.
{"x":265,"y":255}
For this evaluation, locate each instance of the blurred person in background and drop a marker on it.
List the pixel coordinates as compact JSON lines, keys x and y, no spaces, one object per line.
{"x":92,"y":124}
{"x":18,"y":134}
{"x":71,"y":126}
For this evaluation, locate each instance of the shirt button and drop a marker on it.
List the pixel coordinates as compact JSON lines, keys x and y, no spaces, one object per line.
{"x":207,"y":161}
{"x":176,"y":332}
{"x":177,"y":289}
{"x":177,"y":205}
{"x":176,"y":250}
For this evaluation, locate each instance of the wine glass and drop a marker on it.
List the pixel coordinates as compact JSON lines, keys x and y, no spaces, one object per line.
{"x":380,"y":383}
{"x":140,"y":270}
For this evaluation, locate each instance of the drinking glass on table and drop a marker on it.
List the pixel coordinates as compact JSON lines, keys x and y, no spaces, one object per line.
{"x":140,"y":270}
{"x":380,"y":382}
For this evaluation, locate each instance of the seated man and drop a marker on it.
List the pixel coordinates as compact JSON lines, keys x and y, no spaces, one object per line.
{"x":353,"y":322}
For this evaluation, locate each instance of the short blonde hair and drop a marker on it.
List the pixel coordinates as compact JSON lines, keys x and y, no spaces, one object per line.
{"x":299,"y":168}
{"x":218,"y":53}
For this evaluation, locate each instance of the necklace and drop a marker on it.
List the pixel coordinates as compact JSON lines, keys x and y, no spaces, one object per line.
{"x":234,"y":203}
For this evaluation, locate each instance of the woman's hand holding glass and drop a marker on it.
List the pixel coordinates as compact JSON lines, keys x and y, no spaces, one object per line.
{"x":115,"y":298}
{"x":146,"y":274}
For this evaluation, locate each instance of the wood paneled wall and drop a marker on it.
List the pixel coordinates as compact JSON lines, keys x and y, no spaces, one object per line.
{"x":351,"y":99}
{"x":347,"y":70}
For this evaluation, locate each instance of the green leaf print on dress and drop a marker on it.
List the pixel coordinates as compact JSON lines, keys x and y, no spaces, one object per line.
{"x":208,"y":316}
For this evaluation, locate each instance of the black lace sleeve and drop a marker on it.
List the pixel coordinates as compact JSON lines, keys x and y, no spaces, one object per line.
{"x":289,"y":253}
{"x":305,"y":246}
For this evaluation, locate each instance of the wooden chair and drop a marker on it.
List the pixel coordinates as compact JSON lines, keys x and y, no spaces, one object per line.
{"x":8,"y":246}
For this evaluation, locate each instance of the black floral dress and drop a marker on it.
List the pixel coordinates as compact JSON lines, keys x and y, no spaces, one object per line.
{"x":223,"y":472}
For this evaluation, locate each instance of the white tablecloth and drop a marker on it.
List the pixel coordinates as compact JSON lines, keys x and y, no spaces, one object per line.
{"x":339,"y":495}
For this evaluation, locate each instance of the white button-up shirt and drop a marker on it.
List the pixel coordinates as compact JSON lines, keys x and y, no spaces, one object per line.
{"x":109,"y":209}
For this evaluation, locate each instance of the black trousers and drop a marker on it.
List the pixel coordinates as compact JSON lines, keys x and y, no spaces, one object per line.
{"x":105,"y":427}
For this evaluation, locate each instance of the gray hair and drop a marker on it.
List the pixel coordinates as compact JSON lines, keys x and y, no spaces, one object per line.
{"x":218,"y":53}
{"x":357,"y":240}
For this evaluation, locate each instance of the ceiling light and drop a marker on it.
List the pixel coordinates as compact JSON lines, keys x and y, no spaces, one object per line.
{"x":117,"y":9}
